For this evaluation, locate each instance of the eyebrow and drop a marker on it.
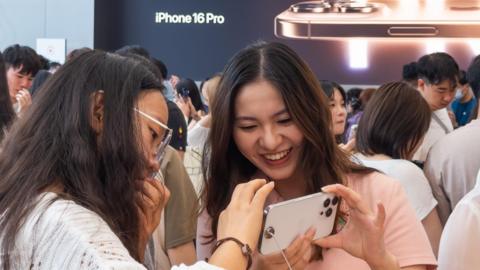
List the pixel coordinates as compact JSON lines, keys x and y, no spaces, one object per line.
{"x":253,"y":118}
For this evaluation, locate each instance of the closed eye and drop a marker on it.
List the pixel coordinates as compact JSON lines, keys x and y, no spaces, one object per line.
{"x":246,"y":128}
{"x":285,"y":121}
{"x":154,"y":134}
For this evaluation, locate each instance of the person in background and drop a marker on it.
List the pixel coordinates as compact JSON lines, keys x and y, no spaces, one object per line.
{"x":391,"y":129}
{"x":272,"y":120}
{"x":7,"y":114}
{"x":437,"y":82}
{"x":189,"y":100}
{"x":410,"y":74}
{"x":460,"y":237}
{"x":337,"y":97}
{"x":198,"y":135}
{"x":453,"y":162}
{"x":354,"y":118}
{"x":465,"y":102}
{"x":22,"y":64}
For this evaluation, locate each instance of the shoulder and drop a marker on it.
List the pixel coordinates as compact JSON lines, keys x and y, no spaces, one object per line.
{"x":59,"y":228}
{"x":405,"y":169}
{"x":372,"y":182}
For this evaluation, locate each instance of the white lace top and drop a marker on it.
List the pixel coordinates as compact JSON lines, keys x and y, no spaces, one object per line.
{"x":65,"y":235}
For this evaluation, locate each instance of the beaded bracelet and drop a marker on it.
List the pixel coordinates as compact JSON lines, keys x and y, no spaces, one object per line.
{"x":246,"y":250}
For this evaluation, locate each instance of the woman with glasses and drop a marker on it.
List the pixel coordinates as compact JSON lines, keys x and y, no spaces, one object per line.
{"x":78,"y":188}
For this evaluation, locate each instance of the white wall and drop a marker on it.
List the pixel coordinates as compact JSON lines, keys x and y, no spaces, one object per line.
{"x":23,"y":21}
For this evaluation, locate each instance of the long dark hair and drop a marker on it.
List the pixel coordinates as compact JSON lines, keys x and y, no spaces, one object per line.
{"x":7,"y":114}
{"x":55,"y":144}
{"x":224,"y":166}
{"x":394,"y":121}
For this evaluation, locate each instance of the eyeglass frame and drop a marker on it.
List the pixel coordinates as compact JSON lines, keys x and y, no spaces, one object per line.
{"x":160,"y":152}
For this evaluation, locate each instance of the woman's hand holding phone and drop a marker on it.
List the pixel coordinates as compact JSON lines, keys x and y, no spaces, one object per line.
{"x":151,"y":197}
{"x":363,"y":235}
{"x":298,"y":255}
{"x":242,"y":220}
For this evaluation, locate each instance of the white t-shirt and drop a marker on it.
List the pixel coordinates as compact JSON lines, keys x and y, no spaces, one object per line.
{"x":412,"y":179}
{"x":460,"y":240}
{"x":435,"y":132}
{"x":197,"y":136}
{"x":65,"y":235}
{"x":452,"y":167}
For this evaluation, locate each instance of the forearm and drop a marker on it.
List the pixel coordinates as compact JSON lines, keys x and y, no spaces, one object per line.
{"x":182,"y":254}
{"x":229,"y":256}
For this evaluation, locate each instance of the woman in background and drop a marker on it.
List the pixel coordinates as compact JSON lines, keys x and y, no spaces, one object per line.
{"x":391,"y":129}
{"x":337,"y":97}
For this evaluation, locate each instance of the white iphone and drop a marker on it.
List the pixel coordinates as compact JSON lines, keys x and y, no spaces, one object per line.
{"x":337,"y":19}
{"x":285,"y":221}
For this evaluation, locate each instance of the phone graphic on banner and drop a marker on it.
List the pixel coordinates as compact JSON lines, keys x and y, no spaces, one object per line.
{"x":336,"y":19}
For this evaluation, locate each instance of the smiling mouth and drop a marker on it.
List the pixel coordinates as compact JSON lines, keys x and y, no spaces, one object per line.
{"x":277,"y":156}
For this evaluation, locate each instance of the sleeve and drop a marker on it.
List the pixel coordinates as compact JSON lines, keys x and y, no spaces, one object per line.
{"x":404,"y":234}
{"x":204,"y":245}
{"x":182,"y":209}
{"x":433,"y":172}
{"x":417,"y":189}
{"x":197,"y":266}
{"x":460,"y":239}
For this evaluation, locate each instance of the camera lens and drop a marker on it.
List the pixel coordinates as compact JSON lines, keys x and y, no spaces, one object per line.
{"x":329,"y":212}
{"x":326,"y":203}
{"x":335,"y":200}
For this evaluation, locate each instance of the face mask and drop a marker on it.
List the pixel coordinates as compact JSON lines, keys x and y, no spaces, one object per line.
{"x":458,"y":94}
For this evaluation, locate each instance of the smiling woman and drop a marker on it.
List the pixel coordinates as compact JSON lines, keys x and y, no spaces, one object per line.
{"x":272,"y":120}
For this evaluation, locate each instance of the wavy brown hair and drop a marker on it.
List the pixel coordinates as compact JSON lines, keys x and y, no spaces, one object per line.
{"x":55,"y":144}
{"x":224,"y":166}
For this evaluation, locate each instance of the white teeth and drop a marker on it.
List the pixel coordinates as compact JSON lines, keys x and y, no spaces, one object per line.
{"x":277,"y":156}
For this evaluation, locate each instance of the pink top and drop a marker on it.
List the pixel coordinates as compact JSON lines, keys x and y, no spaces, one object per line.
{"x":405,"y":237}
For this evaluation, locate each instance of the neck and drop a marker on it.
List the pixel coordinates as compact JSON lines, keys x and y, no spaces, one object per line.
{"x":293,"y":187}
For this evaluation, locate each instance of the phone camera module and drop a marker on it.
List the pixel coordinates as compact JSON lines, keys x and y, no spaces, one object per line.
{"x":311,"y":7}
{"x":329,"y":212}
{"x":335,"y":201}
{"x":326,"y":203}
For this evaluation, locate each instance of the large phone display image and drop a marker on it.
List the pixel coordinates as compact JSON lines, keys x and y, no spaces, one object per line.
{"x":330,"y":19}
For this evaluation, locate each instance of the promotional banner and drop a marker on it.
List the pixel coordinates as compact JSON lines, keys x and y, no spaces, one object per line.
{"x":362,"y":43}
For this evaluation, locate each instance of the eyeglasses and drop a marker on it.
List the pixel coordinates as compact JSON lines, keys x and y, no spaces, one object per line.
{"x":160,"y":151}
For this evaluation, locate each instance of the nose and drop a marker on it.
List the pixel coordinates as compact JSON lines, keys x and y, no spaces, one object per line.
{"x":26,"y":83}
{"x":448,"y":97}
{"x":270,"y":139}
{"x":153,"y":164}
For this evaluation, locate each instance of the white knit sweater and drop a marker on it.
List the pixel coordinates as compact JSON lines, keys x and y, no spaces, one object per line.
{"x":65,"y":235}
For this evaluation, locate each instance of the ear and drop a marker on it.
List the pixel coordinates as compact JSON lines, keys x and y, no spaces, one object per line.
{"x":421,"y":85}
{"x":97,"y":110}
